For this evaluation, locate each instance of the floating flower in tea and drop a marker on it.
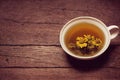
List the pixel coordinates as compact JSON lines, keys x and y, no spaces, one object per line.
{"x":86,"y":44}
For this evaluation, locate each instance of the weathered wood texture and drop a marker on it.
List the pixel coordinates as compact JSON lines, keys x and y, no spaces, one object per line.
{"x":29,"y":40}
{"x":32,"y":34}
{"x":58,"y":11}
{"x":39,"y":22}
{"x":58,"y":74}
{"x":53,"y":56}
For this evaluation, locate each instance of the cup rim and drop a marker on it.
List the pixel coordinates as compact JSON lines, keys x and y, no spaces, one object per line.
{"x":83,"y":57}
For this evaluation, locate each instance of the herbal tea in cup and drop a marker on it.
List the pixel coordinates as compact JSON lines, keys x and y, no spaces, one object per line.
{"x":86,"y":37}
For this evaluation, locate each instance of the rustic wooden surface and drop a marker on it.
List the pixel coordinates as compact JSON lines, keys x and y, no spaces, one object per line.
{"x":29,"y":40}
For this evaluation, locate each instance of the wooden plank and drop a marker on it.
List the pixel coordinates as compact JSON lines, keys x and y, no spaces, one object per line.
{"x":12,"y":33}
{"x":53,"y":56}
{"x":58,"y":73}
{"x":59,"y":11}
{"x":35,"y":34}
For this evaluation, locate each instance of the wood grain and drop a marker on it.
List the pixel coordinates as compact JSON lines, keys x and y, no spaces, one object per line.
{"x":32,"y":34}
{"x":59,"y":11}
{"x":53,"y":56}
{"x":23,"y":24}
{"x":58,"y":73}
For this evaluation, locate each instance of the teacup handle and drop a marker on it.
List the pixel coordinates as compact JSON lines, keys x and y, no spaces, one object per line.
{"x":114,"y":33}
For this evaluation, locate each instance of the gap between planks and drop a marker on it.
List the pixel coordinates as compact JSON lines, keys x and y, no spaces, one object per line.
{"x":48,"y":67}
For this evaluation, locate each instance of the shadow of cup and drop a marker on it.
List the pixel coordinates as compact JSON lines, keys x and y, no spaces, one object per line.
{"x":90,"y":65}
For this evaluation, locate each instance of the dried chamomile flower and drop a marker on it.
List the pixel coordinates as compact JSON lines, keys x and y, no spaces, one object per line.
{"x":81,"y":45}
{"x":86,"y":43}
{"x":80,"y":39}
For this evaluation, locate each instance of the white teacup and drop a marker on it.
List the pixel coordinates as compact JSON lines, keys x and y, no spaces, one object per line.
{"x":91,"y":20}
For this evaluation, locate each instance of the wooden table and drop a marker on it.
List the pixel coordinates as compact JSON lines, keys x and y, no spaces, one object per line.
{"x":29,"y":40}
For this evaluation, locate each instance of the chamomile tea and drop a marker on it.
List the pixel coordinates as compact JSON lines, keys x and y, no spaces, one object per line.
{"x":84,"y":39}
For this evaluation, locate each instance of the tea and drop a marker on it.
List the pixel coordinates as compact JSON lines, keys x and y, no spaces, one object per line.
{"x":81,"y":30}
